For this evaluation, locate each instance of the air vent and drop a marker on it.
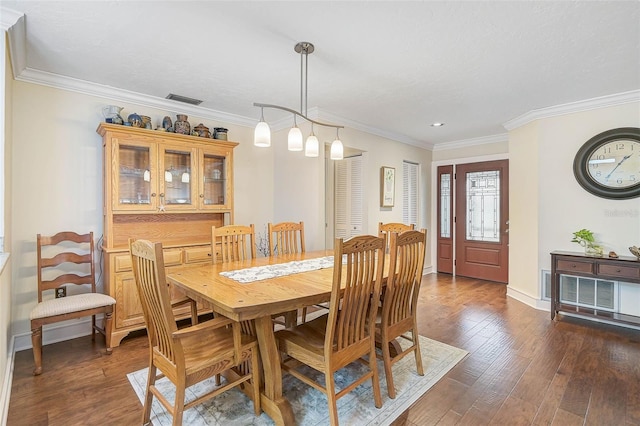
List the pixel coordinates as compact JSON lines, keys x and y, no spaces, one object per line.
{"x":184,"y":99}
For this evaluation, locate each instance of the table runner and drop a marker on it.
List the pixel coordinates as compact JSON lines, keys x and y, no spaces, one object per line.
{"x":258,"y":273}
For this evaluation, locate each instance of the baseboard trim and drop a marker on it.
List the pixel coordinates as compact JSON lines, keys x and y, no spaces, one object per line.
{"x":541,"y":305}
{"x":55,"y":333}
{"x":5,"y":392}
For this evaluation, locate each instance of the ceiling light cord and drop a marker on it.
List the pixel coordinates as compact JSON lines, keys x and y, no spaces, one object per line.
{"x":262,"y":135}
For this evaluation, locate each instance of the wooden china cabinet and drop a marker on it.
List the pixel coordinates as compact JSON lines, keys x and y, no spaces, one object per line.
{"x":162,"y":187}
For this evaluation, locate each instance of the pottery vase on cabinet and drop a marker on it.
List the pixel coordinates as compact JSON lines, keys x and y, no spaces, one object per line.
{"x":181,"y":125}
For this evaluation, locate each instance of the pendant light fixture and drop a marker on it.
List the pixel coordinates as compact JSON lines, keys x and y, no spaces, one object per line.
{"x":262,"y":136}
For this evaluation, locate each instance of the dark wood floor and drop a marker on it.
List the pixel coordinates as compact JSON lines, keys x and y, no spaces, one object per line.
{"x":522,"y":369}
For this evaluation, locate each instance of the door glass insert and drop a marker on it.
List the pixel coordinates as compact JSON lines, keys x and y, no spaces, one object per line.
{"x":445,"y":202}
{"x":134,"y":176}
{"x":214,"y":177}
{"x":483,"y":206}
{"x":177,"y":177}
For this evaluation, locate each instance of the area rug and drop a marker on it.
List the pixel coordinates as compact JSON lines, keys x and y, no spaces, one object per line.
{"x":309,"y":405}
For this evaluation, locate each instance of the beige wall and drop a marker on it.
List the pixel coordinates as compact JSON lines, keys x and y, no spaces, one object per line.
{"x":57,"y":179}
{"x":548,"y":205}
{"x":5,"y":268}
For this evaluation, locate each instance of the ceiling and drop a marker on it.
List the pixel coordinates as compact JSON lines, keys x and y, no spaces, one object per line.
{"x":392,"y":68}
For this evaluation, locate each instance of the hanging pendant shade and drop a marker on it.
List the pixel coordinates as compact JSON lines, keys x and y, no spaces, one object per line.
{"x":337,"y":150}
{"x":295,"y":139}
{"x":311,"y":149}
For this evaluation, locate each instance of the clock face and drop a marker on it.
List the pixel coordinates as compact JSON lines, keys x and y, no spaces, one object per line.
{"x":608,"y":164}
{"x":615,"y":164}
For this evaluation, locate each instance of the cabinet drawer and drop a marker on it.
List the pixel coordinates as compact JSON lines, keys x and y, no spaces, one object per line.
{"x":619,"y":271}
{"x":197,"y":254}
{"x":122,"y":262}
{"x":172,"y":257}
{"x":573,"y":266}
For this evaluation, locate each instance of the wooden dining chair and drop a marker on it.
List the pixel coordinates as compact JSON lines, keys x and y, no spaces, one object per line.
{"x":65,"y":260}
{"x":400,"y":300}
{"x":235,"y":242}
{"x":232,"y":241}
{"x":344,"y":335}
{"x":193,"y":354}
{"x":385,"y":229}
{"x":286,"y":238}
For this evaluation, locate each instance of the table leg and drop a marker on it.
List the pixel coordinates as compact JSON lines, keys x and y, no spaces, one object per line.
{"x":273,"y":403}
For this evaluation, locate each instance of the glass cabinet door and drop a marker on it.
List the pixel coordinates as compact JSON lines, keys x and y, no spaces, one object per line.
{"x":133,"y":186}
{"x":176,"y":171}
{"x":214,"y":180}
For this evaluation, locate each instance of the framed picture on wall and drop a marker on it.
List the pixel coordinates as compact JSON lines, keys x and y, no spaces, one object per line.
{"x":387,"y":186}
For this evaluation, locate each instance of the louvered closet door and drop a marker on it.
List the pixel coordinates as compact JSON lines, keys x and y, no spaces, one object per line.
{"x":348,"y":197}
{"x":410,"y":173}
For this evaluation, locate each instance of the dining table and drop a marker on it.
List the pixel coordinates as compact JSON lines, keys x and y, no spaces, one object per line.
{"x":258,"y":301}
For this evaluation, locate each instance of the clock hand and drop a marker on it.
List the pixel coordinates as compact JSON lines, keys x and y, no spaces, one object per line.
{"x":625,"y":158}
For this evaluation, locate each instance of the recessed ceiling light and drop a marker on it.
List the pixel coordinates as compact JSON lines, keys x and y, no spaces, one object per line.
{"x":437,"y":125}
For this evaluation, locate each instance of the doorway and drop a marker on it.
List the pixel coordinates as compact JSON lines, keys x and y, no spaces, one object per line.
{"x":473,"y":202}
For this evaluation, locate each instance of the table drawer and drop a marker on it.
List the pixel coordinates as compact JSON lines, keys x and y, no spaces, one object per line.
{"x":197,"y":254}
{"x":572,"y":266}
{"x":619,"y":271}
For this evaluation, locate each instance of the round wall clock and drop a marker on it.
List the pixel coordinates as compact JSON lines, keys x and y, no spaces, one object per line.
{"x":608,"y":164}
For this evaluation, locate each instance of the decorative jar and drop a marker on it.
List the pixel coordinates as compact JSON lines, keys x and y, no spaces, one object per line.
{"x":181,"y":125}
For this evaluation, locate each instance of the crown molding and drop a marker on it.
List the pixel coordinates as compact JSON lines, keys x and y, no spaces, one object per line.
{"x":466,"y":143}
{"x":573,"y":107}
{"x":373,"y":130}
{"x":13,"y":22}
{"x":120,"y":95}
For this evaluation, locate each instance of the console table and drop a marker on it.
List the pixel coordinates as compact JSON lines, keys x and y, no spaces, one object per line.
{"x":624,"y":268}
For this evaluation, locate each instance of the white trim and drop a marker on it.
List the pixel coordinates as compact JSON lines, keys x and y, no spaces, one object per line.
{"x":81,"y":86}
{"x":573,"y":107}
{"x":541,"y":305}
{"x":13,"y":22}
{"x":5,"y":391}
{"x":58,"y":332}
{"x":466,"y":143}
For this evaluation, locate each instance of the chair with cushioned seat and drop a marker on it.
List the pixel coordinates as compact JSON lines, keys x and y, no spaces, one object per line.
{"x":65,"y":261}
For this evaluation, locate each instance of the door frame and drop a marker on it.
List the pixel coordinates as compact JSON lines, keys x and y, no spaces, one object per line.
{"x":434,"y":192}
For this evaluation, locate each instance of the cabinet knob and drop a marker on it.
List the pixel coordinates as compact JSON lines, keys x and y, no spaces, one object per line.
{"x":153,"y":194}
{"x":201,"y":195}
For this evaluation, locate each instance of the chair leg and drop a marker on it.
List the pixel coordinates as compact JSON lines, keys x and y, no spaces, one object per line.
{"x":178,"y":405}
{"x":148,"y":399}
{"x":36,"y":342}
{"x":331,"y":398}
{"x":416,"y":342}
{"x":93,"y":328}
{"x":375,"y":380}
{"x":194,"y":312}
{"x":304,"y":315}
{"x":108,"y":325}
{"x":255,"y":380}
{"x":386,"y":358}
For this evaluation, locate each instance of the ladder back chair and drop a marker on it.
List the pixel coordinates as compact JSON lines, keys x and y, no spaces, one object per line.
{"x":400,"y":300}
{"x":287,"y":238}
{"x":193,"y":354}
{"x":344,"y":335}
{"x":65,"y":260}
{"x":233,"y":240}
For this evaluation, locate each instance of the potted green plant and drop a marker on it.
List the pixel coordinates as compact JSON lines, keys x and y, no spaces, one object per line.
{"x":585,"y":238}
